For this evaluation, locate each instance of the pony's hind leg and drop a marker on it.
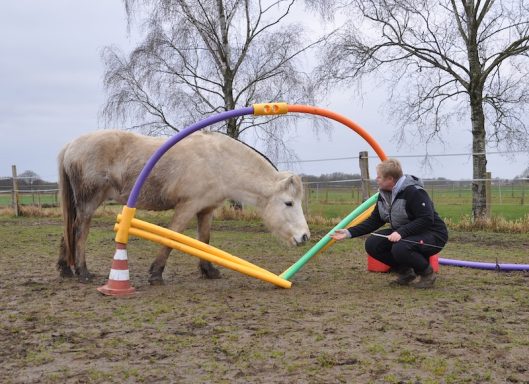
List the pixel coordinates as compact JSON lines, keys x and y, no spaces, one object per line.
{"x":81,"y":270}
{"x":62,"y":264}
{"x":205,"y":218}
{"x":85,"y":212}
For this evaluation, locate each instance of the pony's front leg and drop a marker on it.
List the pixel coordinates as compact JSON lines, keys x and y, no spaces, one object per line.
{"x":183,"y":214}
{"x":158,"y":265}
{"x":205,"y":218}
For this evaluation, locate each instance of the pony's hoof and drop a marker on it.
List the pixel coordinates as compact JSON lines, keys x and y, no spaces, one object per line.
{"x":66,"y":273}
{"x":64,"y":269}
{"x":156,"y":280}
{"x":210,"y":273}
{"x":85,"y":278}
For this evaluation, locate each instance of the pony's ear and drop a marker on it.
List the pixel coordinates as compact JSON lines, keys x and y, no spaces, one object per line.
{"x":292,"y":184}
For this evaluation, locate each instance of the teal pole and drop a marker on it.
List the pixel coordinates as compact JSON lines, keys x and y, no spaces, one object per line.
{"x":325,"y":239}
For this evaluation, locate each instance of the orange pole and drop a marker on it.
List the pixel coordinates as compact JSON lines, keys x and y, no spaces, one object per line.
{"x":341,"y":119}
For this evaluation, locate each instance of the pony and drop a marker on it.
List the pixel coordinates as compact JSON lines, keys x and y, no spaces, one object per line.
{"x":193,"y":178}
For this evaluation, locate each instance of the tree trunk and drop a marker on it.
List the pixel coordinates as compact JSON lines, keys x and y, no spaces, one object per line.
{"x":232,"y":128}
{"x":479,"y":161}
{"x":477,"y":116}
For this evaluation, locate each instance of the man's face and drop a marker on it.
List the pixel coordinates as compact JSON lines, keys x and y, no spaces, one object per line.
{"x":385,"y":183}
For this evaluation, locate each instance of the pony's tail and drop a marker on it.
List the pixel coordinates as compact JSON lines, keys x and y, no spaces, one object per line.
{"x":69,"y":212}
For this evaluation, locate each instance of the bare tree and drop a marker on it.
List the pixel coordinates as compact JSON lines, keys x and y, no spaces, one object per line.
{"x":443,"y":59}
{"x":206,"y":56}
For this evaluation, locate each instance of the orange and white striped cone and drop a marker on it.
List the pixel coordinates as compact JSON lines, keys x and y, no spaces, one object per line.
{"x":118,"y":281}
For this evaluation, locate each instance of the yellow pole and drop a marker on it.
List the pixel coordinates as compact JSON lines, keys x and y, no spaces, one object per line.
{"x":164,"y":232}
{"x":252,"y":271}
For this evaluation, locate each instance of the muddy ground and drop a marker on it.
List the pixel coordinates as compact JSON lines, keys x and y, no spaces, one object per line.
{"x":337,"y":324}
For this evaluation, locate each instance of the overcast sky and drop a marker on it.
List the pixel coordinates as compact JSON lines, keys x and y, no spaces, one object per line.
{"x":51,"y":92}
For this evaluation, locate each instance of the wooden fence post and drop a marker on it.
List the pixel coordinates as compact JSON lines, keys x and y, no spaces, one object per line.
{"x":15,"y":190}
{"x":364,"y":174}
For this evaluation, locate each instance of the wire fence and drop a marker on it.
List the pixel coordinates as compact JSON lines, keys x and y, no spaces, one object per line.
{"x":328,"y":198}
{"x":28,"y":191}
{"x":453,"y":199}
{"x":424,"y":156}
{"x":506,"y":191}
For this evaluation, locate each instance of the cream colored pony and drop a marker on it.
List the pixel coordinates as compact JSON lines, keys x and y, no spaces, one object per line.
{"x":193,"y":178}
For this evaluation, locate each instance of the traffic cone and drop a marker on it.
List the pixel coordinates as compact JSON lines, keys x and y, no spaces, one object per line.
{"x":434,"y":262}
{"x":118,"y":281}
{"x":373,"y":265}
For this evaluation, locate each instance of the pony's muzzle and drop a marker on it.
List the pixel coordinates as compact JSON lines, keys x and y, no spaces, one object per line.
{"x":302,"y":240}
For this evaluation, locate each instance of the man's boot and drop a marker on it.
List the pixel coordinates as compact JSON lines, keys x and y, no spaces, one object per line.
{"x":406,"y":276}
{"x":427,"y":279}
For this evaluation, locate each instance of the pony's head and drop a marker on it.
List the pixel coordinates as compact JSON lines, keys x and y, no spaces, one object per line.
{"x":283,"y":213}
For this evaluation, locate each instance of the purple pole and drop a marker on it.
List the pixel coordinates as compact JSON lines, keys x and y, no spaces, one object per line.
{"x":133,"y":197}
{"x":481,"y":265}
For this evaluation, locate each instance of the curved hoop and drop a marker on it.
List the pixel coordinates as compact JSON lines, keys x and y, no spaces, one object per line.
{"x":127,"y":224}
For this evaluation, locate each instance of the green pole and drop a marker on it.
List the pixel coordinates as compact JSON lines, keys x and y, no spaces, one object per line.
{"x":325,"y":239}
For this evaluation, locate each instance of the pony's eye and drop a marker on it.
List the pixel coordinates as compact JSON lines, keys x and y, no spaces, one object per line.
{"x":289,"y":204}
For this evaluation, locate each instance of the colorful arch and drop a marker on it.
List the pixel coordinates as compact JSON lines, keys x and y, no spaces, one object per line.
{"x":127,"y":224}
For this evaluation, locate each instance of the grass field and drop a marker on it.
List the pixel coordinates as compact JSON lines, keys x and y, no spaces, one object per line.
{"x":510,"y":204}
{"x":337,"y":324}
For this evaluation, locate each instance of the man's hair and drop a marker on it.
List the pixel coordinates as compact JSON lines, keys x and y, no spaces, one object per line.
{"x":390,"y":168}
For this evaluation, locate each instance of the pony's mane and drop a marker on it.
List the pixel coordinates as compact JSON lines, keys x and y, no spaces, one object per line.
{"x":260,"y":153}
{"x":247,"y":146}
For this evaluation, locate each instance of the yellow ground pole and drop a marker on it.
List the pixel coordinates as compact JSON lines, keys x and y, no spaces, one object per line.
{"x":201,"y":250}
{"x":164,"y":232}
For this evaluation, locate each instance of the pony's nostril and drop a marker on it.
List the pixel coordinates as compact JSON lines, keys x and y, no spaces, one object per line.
{"x":305,"y":238}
